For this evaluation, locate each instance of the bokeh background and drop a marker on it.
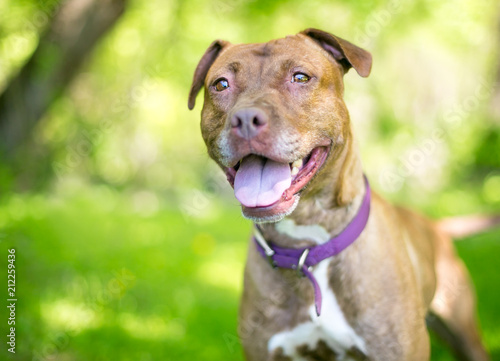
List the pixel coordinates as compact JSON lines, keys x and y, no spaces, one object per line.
{"x":129,"y":243}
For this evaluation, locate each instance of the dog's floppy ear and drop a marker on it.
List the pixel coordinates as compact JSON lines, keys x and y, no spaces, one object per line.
{"x":201,"y":71}
{"x":347,"y":54}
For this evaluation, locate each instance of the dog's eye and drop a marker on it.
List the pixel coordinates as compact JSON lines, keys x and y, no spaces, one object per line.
{"x":221,"y":84}
{"x":300,"y":78}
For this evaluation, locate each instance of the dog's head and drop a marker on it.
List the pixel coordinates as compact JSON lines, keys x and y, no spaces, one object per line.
{"x":273,"y":114}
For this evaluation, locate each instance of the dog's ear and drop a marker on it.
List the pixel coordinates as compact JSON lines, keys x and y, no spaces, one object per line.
{"x":347,"y":54}
{"x":201,"y":71}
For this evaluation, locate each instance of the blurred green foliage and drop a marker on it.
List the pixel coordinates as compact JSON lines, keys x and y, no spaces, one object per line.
{"x":124,"y":120}
{"x":98,"y":278}
{"x":117,"y":178}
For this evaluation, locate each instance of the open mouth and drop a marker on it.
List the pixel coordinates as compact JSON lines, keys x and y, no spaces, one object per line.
{"x":266,"y":188}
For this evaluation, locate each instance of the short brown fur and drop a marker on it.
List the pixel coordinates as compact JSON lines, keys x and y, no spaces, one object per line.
{"x":398,"y":270}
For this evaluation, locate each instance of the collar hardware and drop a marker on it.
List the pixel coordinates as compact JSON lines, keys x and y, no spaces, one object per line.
{"x":300,"y":265}
{"x":269,"y":252}
{"x":302,"y":259}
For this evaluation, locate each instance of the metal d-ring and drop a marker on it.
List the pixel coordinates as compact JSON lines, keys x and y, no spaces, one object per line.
{"x":302,"y":260}
{"x":265,"y":246}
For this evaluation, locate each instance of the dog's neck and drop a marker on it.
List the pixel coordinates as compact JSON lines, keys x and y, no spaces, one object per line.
{"x":326,"y":212}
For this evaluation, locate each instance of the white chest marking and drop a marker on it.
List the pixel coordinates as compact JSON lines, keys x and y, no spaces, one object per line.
{"x":313,"y":232}
{"x":331,"y":326}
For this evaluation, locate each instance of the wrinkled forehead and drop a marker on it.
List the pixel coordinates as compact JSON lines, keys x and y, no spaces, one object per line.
{"x":280,"y":54}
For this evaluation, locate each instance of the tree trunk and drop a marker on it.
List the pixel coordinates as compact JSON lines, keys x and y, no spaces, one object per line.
{"x":72,"y":34}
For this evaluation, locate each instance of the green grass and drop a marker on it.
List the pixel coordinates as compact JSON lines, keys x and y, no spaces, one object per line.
{"x":479,"y":254}
{"x":98,"y":279}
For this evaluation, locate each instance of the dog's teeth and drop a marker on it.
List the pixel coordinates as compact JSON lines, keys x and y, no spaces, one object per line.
{"x":297,"y":163}
{"x":295,"y":170}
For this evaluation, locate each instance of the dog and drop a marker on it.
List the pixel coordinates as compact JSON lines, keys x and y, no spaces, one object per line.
{"x":334,"y":272}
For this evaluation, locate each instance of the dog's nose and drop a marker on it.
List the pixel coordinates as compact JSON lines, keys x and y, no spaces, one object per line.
{"x":248,"y":122}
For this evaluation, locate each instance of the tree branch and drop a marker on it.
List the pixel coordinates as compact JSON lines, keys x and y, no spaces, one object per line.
{"x":73,"y":33}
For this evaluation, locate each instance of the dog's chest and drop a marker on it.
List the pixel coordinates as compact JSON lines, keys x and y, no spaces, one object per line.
{"x":327,"y":337}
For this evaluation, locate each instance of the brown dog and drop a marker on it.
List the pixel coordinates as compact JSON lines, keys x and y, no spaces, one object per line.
{"x":274,"y":120}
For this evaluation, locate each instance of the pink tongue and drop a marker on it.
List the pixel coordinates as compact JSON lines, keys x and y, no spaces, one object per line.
{"x":260,"y":182}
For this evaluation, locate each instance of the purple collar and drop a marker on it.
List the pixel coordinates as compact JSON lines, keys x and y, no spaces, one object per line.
{"x":302,"y":259}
